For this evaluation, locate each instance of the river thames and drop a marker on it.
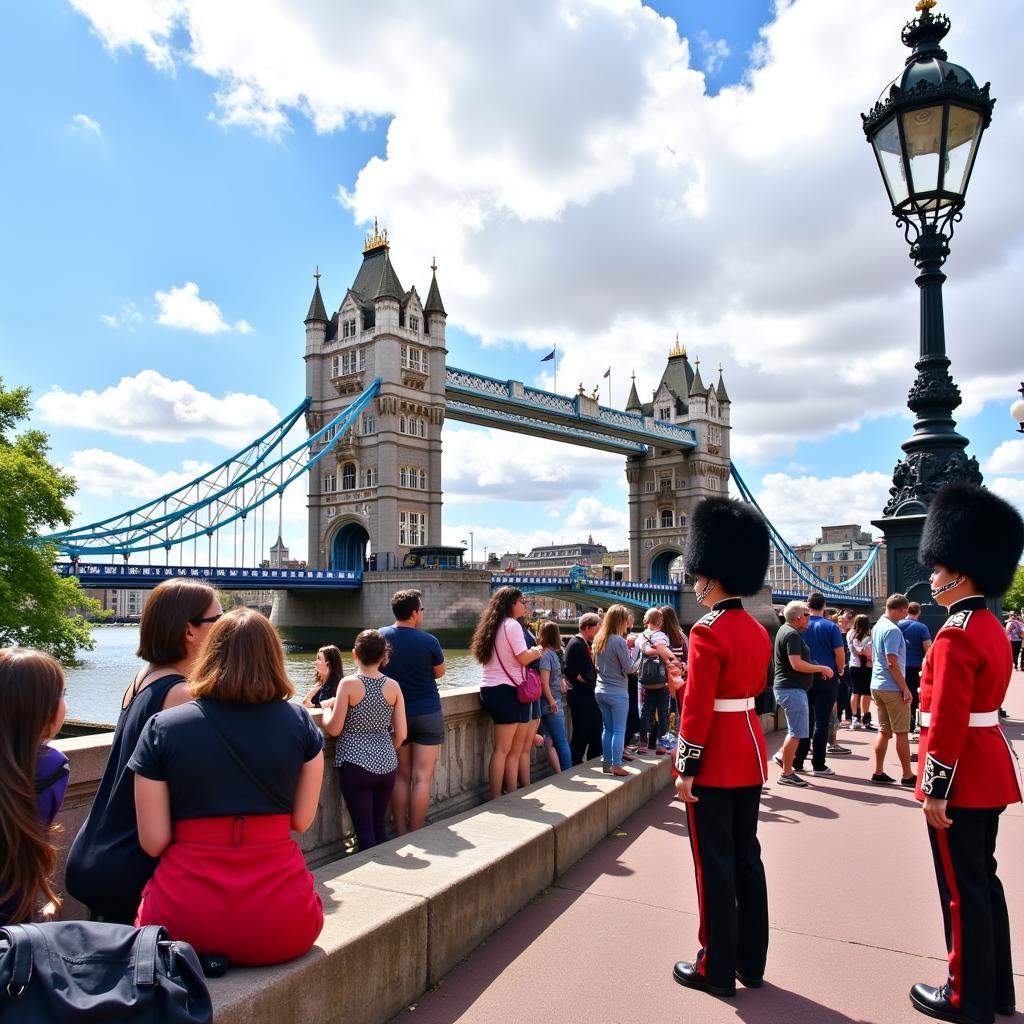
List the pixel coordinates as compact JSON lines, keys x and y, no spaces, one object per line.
{"x":97,"y":685}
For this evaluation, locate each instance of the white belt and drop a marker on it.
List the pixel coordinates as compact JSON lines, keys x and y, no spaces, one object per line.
{"x":735,"y":704}
{"x":977,"y":719}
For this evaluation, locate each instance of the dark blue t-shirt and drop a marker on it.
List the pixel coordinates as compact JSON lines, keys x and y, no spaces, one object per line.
{"x":182,"y":747}
{"x":823,"y":638}
{"x":411,"y":664}
{"x":915,"y":633}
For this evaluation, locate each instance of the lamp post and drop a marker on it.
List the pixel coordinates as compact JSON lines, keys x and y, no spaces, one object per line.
{"x":470,"y":548}
{"x":1017,"y":409}
{"x":925,"y":130}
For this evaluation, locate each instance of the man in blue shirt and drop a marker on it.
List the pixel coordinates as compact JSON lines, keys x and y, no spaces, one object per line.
{"x":415,"y":662}
{"x":825,"y":641}
{"x":919,"y":639}
{"x":889,"y":690}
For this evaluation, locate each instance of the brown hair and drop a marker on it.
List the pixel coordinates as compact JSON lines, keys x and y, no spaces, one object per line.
{"x":550,"y":636}
{"x":670,"y":626}
{"x":170,"y":608}
{"x":816,"y":602}
{"x":404,"y":603}
{"x":861,"y":627}
{"x":335,"y":665}
{"x":241,"y":662}
{"x":613,"y":624}
{"x":894,"y":602}
{"x":31,"y":686}
{"x":498,"y":609}
{"x":370,"y":647}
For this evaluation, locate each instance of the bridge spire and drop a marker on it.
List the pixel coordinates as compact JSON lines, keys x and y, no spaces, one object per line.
{"x":434,"y":303}
{"x":317,"y":313}
{"x":720,"y":393}
{"x":633,"y":402}
{"x":697,"y":387}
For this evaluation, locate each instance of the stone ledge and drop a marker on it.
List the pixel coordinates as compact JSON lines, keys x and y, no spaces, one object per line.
{"x":400,"y":916}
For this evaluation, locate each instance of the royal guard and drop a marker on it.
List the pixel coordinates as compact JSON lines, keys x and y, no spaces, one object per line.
{"x":967,"y":771}
{"x":721,"y":759}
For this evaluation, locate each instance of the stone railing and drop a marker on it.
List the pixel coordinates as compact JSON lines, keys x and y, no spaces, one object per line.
{"x":460,"y":783}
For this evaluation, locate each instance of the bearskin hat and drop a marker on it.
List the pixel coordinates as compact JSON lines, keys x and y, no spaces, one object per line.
{"x":970,"y":530}
{"x":728,"y":542}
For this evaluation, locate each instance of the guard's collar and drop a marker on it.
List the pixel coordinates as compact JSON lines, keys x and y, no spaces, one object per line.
{"x":729,"y":602}
{"x":967,"y":604}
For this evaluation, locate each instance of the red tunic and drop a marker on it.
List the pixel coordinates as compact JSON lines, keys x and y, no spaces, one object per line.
{"x":729,"y":656}
{"x":967,"y":669}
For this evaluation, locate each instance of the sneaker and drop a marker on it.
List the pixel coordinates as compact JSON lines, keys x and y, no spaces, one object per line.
{"x":857,"y":724}
{"x":910,"y":782}
{"x":778,"y":760}
{"x":881,"y":779}
{"x":793,"y":780}
{"x":871,"y":727}
{"x":834,"y":748}
{"x":824,"y":771}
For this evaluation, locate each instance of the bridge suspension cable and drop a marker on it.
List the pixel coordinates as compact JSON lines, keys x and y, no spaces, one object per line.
{"x":224,"y":495}
{"x":800,"y":567}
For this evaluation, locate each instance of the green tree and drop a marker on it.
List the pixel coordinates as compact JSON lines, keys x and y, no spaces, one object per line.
{"x":37,"y":607}
{"x":1014,"y":599}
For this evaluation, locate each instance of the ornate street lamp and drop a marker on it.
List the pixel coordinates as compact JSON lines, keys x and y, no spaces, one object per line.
{"x":925,"y":130}
{"x":1017,"y":409}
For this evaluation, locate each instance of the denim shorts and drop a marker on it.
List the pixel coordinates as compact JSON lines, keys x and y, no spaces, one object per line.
{"x":501,"y":702}
{"x":426,"y":730}
{"x":798,"y":717}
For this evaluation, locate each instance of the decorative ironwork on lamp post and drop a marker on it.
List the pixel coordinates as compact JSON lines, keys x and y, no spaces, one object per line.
{"x":925,"y":130}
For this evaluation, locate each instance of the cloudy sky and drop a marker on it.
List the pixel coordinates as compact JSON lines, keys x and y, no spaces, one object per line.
{"x":600,"y":176}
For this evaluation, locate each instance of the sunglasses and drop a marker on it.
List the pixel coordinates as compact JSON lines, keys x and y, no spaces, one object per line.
{"x":209,"y":618}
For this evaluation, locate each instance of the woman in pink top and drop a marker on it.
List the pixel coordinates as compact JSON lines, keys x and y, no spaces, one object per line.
{"x":500,"y":646}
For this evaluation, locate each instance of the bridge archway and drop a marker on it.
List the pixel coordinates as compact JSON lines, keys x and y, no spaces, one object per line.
{"x":348,"y":547}
{"x":665,"y":564}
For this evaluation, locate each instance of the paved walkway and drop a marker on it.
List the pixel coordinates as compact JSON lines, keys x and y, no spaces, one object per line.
{"x":855,"y":919}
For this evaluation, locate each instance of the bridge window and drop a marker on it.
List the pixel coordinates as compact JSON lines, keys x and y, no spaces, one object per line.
{"x":348,"y":328}
{"x":370,"y":477}
{"x":414,"y":358}
{"x":421,"y":428}
{"x":329,"y":433}
{"x":330,"y":483}
{"x":412,"y":528}
{"x":369,"y":424}
{"x":348,"y":362}
{"x":423,"y":479}
{"x":666,"y":518}
{"x":664,"y":412}
{"x":414,"y":323}
{"x":650,"y":523}
{"x":649,"y":486}
{"x":402,"y":425}
{"x":348,"y":477}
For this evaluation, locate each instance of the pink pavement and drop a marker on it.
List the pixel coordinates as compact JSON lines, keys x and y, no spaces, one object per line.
{"x":854,"y":916}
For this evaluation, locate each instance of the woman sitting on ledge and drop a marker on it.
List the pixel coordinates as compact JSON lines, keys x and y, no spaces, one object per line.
{"x":219,"y":784}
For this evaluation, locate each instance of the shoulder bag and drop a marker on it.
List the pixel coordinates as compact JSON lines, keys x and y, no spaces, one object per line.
{"x":528,"y":688}
{"x":63,"y":972}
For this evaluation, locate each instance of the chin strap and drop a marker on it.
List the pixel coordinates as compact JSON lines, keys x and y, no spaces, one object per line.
{"x":948,"y":586}
{"x":704,"y":593}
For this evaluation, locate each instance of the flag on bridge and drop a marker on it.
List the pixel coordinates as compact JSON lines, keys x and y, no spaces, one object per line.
{"x":549,"y":356}
{"x":608,"y":372}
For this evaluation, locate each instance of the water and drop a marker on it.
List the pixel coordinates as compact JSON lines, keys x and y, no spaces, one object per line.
{"x":96,"y":687}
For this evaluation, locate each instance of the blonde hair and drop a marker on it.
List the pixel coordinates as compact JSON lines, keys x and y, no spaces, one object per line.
{"x":653,"y":617}
{"x":614,"y":623}
{"x":242,"y":662}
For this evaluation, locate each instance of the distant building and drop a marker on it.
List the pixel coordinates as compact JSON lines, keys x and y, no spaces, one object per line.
{"x":279,"y":558}
{"x":120,"y":604}
{"x":558,"y":559}
{"x":836,"y":556}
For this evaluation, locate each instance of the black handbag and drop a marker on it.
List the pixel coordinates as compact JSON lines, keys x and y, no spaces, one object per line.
{"x":652,"y":668}
{"x":69,"y":971}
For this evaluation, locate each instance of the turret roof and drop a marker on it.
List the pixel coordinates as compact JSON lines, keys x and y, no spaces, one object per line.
{"x":377,"y":278}
{"x":633,"y":402}
{"x":697,"y":385}
{"x":434,"y":303}
{"x":723,"y":395}
{"x":316,"y":305}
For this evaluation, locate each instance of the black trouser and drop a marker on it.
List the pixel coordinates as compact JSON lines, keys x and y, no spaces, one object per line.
{"x":1015,"y":653}
{"x":978,"y":929}
{"x":843,"y":706}
{"x":654,"y":720}
{"x":913,"y":678}
{"x":732,"y":894}
{"x":633,"y":714}
{"x":586,"y":724}
{"x":821,"y":698}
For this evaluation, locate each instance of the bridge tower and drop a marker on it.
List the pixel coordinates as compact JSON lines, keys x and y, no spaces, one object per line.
{"x":665,"y":484}
{"x":379,"y":492}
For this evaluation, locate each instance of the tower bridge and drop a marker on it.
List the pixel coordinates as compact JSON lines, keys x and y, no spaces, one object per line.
{"x":378,"y":391}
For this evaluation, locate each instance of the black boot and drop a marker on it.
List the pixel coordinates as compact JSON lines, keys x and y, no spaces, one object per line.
{"x":935,"y":1003}
{"x":687,"y":974}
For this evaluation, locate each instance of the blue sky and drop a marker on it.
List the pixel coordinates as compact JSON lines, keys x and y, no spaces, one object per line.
{"x":158,"y":168}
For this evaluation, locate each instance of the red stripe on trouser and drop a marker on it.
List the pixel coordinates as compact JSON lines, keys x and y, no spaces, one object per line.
{"x":955,"y":924}
{"x":698,"y":874}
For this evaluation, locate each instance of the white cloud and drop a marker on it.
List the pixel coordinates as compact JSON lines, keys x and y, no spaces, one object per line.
{"x":84,"y":123}
{"x":590,"y":192}
{"x":129,"y":318}
{"x":105,"y":473}
{"x":798,"y":507}
{"x":182,"y":307}
{"x":152,"y":407}
{"x":1007,"y":458}
{"x":715,"y":51}
{"x":1009,"y":488}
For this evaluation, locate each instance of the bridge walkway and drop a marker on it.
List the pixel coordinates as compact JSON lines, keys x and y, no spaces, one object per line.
{"x":855,"y":920}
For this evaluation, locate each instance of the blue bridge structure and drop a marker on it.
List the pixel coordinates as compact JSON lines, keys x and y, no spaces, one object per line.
{"x":222,"y":513}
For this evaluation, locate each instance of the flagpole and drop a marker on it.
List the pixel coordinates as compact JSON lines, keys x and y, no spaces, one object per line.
{"x":609,"y":386}
{"x":554,"y":369}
